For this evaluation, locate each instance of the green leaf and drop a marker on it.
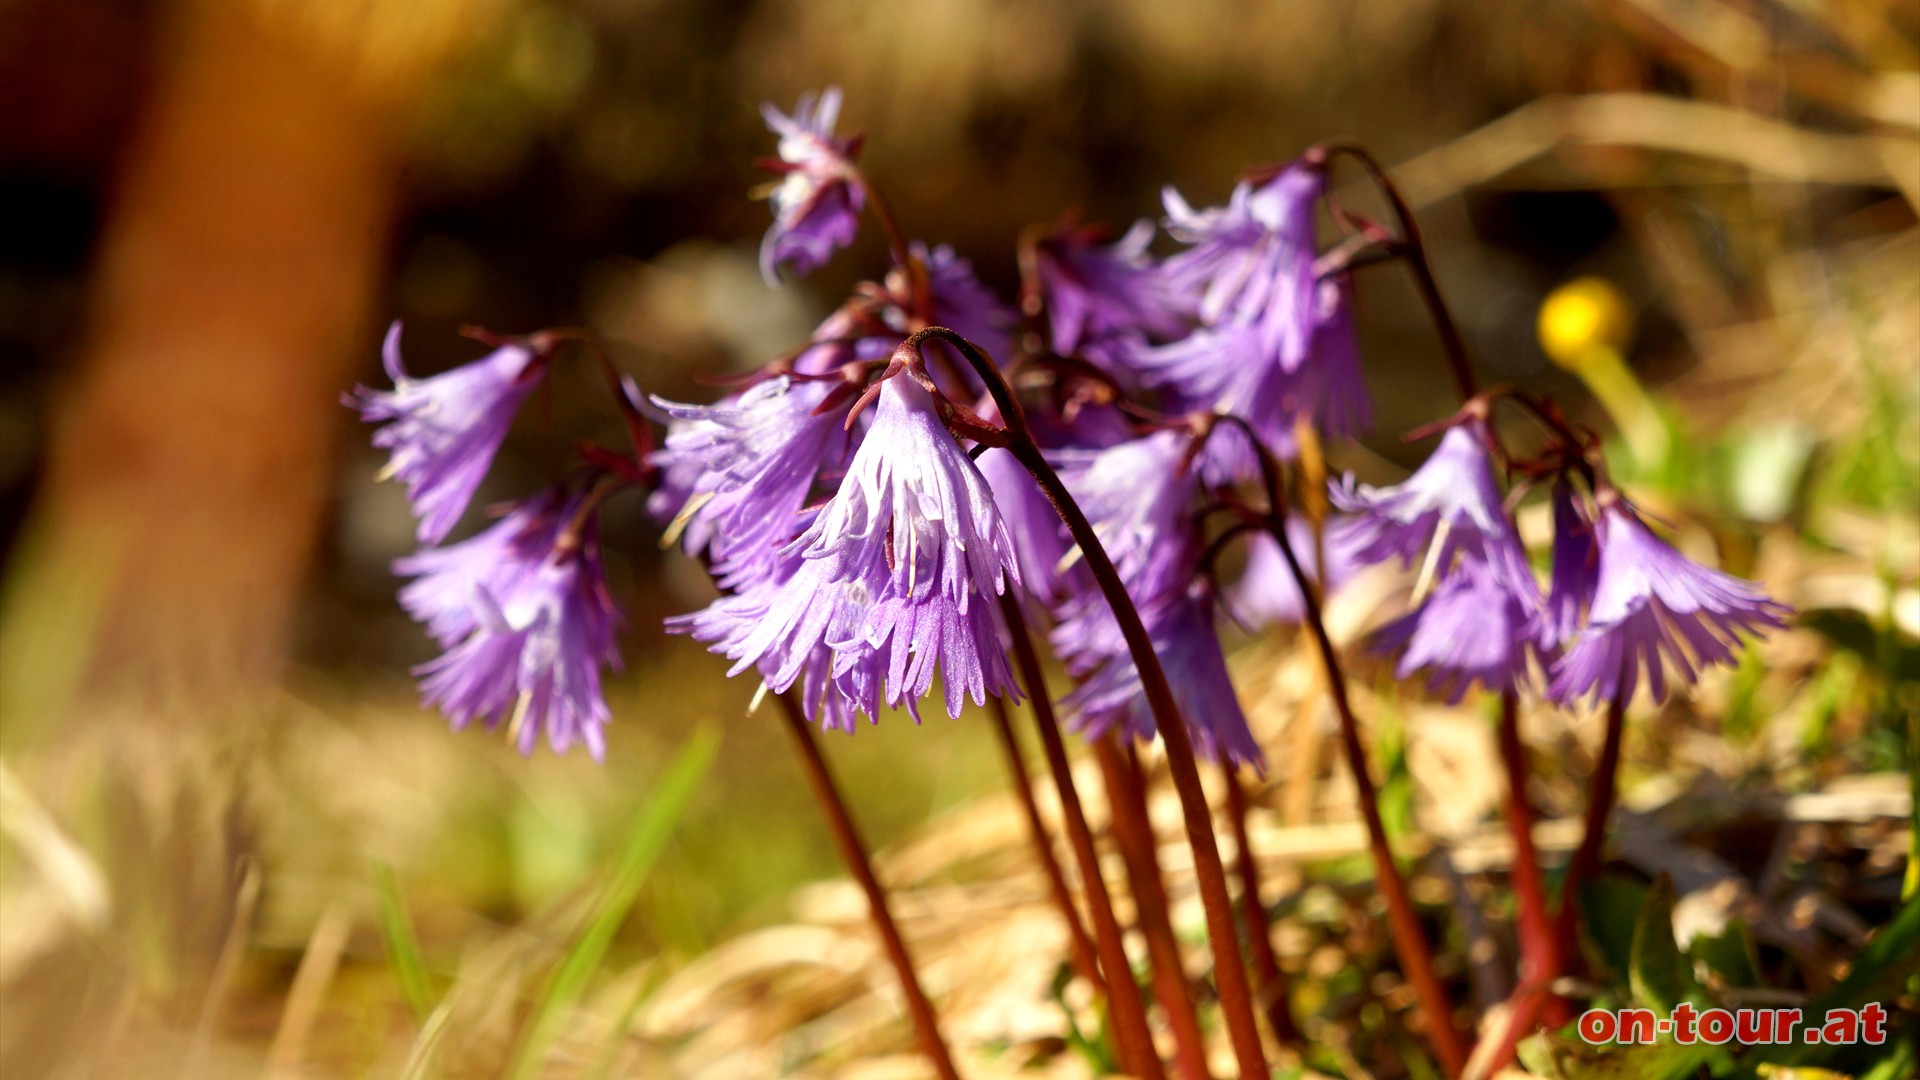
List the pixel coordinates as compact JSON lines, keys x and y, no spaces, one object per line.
{"x":403,"y":946}
{"x":1609,"y":908}
{"x":651,"y":828}
{"x":1657,"y":975}
{"x":1730,"y":955}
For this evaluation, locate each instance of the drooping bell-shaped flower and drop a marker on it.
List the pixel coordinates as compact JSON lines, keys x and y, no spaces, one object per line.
{"x":1328,"y":393}
{"x":1331,"y":388}
{"x":526,"y":620}
{"x":818,"y":200}
{"x":1251,"y":262}
{"x":1472,"y":629}
{"x":1139,"y":497}
{"x":738,"y":472}
{"x":1184,"y":637}
{"x":443,"y":431}
{"x":1101,"y":298}
{"x":894,"y":575}
{"x":1451,"y":508}
{"x":1249,"y":279}
{"x":1652,"y":606}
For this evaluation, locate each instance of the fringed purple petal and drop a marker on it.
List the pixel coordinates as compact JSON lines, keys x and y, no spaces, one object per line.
{"x":1652,"y":608}
{"x":443,"y":431}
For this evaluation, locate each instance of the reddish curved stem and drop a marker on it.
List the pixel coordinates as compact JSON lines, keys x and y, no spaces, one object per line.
{"x":1586,"y":858}
{"x":1127,"y":797}
{"x":1272,"y":982}
{"x":1229,"y":968}
{"x":1084,"y":962}
{"x":846,"y":836}
{"x":1127,"y":1011}
{"x":1409,"y":938}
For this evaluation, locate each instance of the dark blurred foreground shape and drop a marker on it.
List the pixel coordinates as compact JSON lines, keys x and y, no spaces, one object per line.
{"x":245,"y":244}
{"x":188,"y":461}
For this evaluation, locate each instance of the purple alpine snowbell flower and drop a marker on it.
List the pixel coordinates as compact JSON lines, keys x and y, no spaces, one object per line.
{"x":1474,"y":628}
{"x":1139,"y":498}
{"x":1104,"y":301}
{"x":1331,"y":388}
{"x":1652,"y":606}
{"x":444,"y":430}
{"x":1251,"y":262}
{"x":892,"y":575}
{"x":738,"y":472}
{"x":817,"y":203}
{"x":1574,"y":571}
{"x":1451,"y":511}
{"x":1450,"y":508}
{"x":1184,"y":638}
{"x":1249,"y":279}
{"x":526,"y":620}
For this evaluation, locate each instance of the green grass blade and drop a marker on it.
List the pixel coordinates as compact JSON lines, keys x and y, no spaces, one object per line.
{"x":403,"y":946}
{"x":645,"y":841}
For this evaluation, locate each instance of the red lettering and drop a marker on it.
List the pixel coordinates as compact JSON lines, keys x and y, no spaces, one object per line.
{"x":1598,"y":1026}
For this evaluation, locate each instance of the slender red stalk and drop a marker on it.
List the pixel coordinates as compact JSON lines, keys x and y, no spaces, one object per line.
{"x":1601,"y":792}
{"x":846,"y":837}
{"x":1081,"y":946}
{"x":1409,"y":938}
{"x":1271,"y":982}
{"x":1127,"y":797}
{"x":1230,"y":975}
{"x":1539,"y":937}
{"x":1533,"y":1000}
{"x":1538,"y":953}
{"x":1125,"y":1008}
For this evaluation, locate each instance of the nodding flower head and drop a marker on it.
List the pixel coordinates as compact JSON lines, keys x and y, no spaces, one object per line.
{"x":1139,"y":496}
{"x":1250,"y":266}
{"x":526,"y":620}
{"x":817,"y":203}
{"x":891,"y":576}
{"x":1651,"y":606}
{"x":1275,"y":344}
{"x":736,"y":474}
{"x":1100,"y":296}
{"x":444,"y":430}
{"x":1450,"y":507}
{"x":1328,"y":393}
{"x":1473,"y":628}
{"x":1184,"y":637}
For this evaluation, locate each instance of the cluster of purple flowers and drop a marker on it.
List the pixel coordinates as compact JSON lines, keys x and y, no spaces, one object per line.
{"x":1621,"y":602}
{"x":863,"y":524}
{"x":522,"y":609}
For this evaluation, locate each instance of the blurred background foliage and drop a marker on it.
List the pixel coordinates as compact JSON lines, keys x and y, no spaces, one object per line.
{"x":232,"y":840}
